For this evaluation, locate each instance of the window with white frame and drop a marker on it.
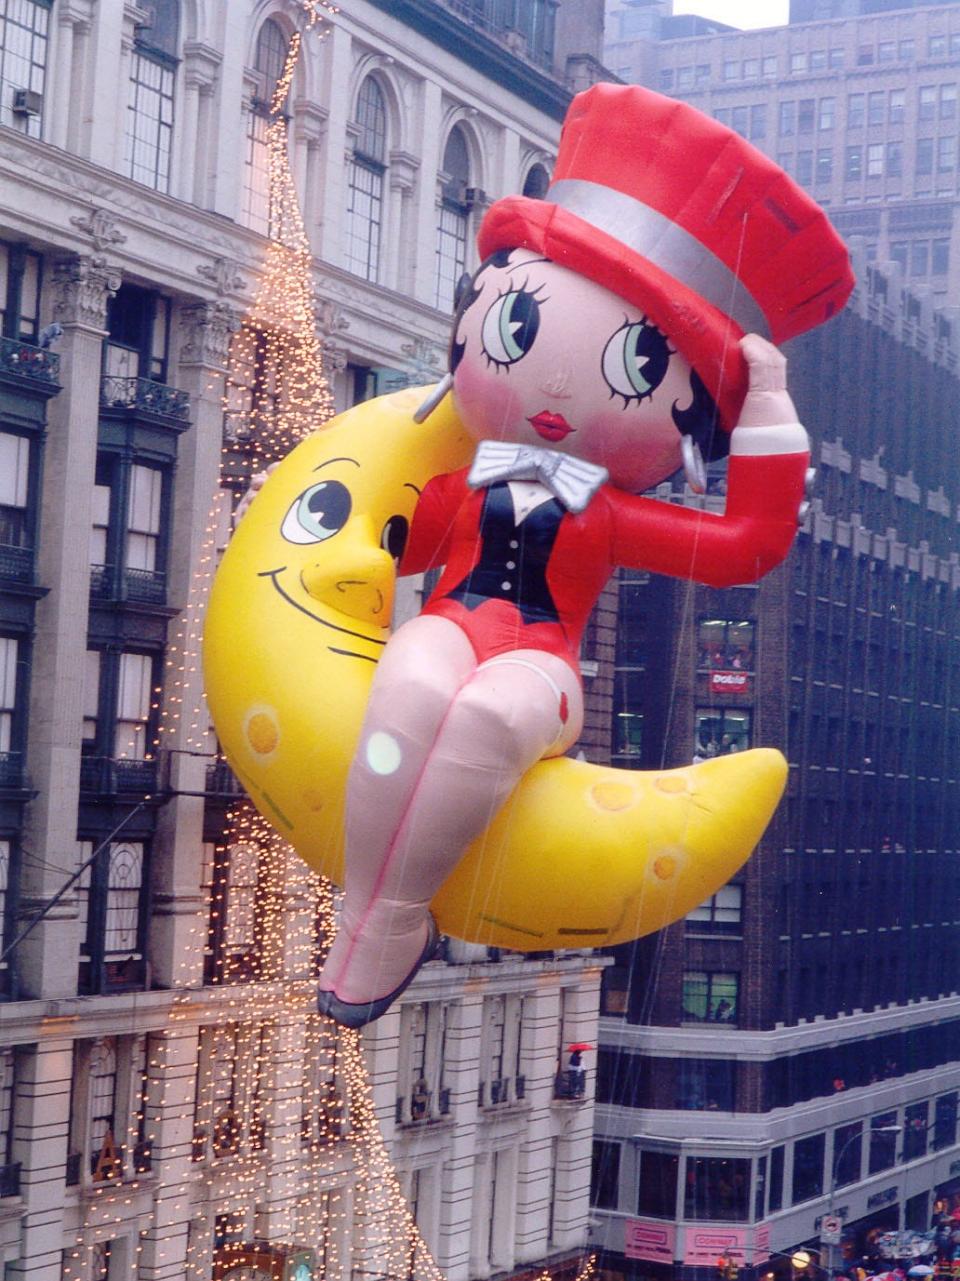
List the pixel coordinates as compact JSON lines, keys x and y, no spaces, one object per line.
{"x":6,"y":852}
{"x":271,"y":54}
{"x":124,"y":886}
{"x":229,"y":1114}
{"x":135,"y":684}
{"x":365,"y":182}
{"x":110,"y":905}
{"x":8,"y":1068}
{"x":105,"y":1162}
{"x":720,"y":914}
{"x":453,"y":225}
{"x":14,"y":489}
{"x":108,"y":1094}
{"x":322,"y":1103}
{"x":23,"y":61}
{"x":149,"y":130}
{"x":421,"y":1090}
{"x":9,"y":654}
{"x":501,"y":1080}
{"x":143,"y":517}
{"x":20,"y":270}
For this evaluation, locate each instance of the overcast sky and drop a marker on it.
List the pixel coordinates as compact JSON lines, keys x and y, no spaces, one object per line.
{"x":738,"y":13}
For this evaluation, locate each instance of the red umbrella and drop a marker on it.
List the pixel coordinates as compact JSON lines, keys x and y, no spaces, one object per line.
{"x":579,"y":1045}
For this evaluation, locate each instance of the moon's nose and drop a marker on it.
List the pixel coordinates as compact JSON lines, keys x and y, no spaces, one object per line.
{"x":357,"y":581}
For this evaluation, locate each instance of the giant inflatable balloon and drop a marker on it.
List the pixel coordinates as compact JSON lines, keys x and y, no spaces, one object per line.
{"x":581,"y":854}
{"x":619,"y":329}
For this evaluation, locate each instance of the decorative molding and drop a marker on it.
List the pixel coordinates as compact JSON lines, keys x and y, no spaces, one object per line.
{"x":201,"y":64}
{"x":82,"y":288}
{"x":224,"y":273}
{"x":329,"y":314}
{"x":207,"y":328}
{"x":101,"y":227}
{"x":334,"y":356}
{"x":425,"y":360}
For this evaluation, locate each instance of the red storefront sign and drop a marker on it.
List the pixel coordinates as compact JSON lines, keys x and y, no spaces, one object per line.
{"x":730,"y":682}
{"x":703,"y":1246}
{"x":649,"y":1240}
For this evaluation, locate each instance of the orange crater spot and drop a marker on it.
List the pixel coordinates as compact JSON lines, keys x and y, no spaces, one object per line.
{"x":672,"y":783}
{"x":613,"y":796}
{"x":263,"y":732}
{"x":664,"y":867}
{"x":314,"y":801}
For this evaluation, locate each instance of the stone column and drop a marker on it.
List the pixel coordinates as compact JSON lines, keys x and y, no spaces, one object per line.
{"x":171,"y":1080}
{"x":177,"y":921}
{"x":424,"y":233}
{"x":329,"y":244}
{"x":41,"y":1128}
{"x":73,"y":19}
{"x":309,"y":125}
{"x":47,"y":960}
{"x":200,"y":69}
{"x":399,"y":240}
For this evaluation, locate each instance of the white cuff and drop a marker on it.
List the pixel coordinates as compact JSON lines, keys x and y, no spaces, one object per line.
{"x":784,"y":438}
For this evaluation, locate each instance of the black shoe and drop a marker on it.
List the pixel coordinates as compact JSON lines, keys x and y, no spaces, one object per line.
{"x":348,"y":1014}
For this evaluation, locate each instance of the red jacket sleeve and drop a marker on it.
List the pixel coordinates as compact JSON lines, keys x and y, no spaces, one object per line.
{"x":753,"y":535}
{"x":433,"y":520}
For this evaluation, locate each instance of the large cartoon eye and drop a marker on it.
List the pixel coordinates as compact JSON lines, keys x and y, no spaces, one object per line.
{"x":394,"y":536}
{"x":635,"y":361}
{"x":510,"y":327}
{"x":320,"y":512}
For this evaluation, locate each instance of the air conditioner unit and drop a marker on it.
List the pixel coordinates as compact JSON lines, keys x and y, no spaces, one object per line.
{"x":27,"y":102}
{"x":148,"y":17}
{"x":474,"y":196}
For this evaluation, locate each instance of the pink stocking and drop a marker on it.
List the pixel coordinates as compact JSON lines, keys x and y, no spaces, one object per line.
{"x":443,"y":744}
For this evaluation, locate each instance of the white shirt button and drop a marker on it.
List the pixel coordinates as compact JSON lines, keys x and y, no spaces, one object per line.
{"x":506,"y":586}
{"x":511,"y":564}
{"x":514,"y":544}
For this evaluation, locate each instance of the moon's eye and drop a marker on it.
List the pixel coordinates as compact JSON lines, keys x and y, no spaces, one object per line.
{"x":510,"y":327}
{"x":635,"y":361}
{"x":320,"y":512}
{"x":394,"y":536}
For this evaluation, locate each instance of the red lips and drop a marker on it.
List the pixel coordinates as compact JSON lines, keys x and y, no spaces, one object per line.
{"x":552,"y":427}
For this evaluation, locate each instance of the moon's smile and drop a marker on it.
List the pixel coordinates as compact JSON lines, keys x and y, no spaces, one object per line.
{"x":273,"y":575}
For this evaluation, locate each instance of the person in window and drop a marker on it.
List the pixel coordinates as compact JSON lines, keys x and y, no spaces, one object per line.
{"x":591,"y":358}
{"x":723,"y":1012}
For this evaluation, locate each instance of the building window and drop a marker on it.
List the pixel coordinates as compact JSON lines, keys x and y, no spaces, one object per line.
{"x":883,"y":1141}
{"x":112,"y":894}
{"x":899,"y":252}
{"x":946,"y":155}
{"x":915,"y":1130}
{"x":269,"y":60}
{"x":721,"y":730}
{"x":875,"y":160}
{"x":769,"y":67}
{"x":876,"y":107}
{"x":827,"y":113}
{"x":856,"y":110}
{"x":629,"y":691}
{"x":657,"y":1193}
{"x":605,"y":1174}
{"x":906,"y":49}
{"x":421,"y":1093}
{"x":365,"y":182}
{"x":16,"y":532}
{"x":798,"y":63}
{"x":23,"y":60}
{"x":847,"y":1154}
{"x":731,"y":69}
{"x":806,"y":109}
{"x":128,"y":534}
{"x":710,"y":996}
{"x":948,"y":102}
{"x":453,"y":225}
{"x":824,"y":170}
{"x":138,"y":337}
{"x":706,"y":1085}
{"x":808,"y":1167}
{"x":739,"y":120}
{"x":926,"y":102}
{"x":720,"y":914}
{"x":787,"y":119}
{"x":20,"y":274}
{"x":897,"y":106}
{"x":945,"y":1122}
{"x":919,"y":258}
{"x":936,"y":46}
{"x":233,"y":875}
{"x":717,"y":1189}
{"x":322,"y":1109}
{"x":536,"y":182}
{"x":818,"y":59}
{"x":886,"y":51}
{"x":9,"y":1174}
{"x":500,"y":1048}
{"x":854,"y":163}
{"x":149,"y":131}
{"x":924,"y":158}
{"x":940,"y":257}
{"x":894,"y":159}
{"x":758,"y":122}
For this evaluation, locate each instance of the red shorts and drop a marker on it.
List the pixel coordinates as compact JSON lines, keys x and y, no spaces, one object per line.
{"x":497,"y":627}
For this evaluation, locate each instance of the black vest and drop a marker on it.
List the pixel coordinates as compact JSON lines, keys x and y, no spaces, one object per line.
{"x":513,"y":558}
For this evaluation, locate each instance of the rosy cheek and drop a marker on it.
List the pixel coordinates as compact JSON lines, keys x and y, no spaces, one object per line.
{"x":488,"y":405}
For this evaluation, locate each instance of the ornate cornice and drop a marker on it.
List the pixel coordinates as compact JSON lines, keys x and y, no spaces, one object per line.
{"x":207,"y":328}
{"x":82,"y":286}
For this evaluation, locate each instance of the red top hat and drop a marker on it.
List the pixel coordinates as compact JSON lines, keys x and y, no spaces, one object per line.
{"x":679,"y":215}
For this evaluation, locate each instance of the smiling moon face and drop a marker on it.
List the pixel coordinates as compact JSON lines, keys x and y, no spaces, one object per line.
{"x":300,"y":609}
{"x":580,"y":855}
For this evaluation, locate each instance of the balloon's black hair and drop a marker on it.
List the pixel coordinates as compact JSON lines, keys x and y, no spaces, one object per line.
{"x":467,"y":295}
{"x":700,"y":420}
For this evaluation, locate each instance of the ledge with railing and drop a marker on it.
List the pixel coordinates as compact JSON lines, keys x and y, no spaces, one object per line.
{"x":143,"y":586}
{"x":12,"y":777}
{"x":107,"y":776}
{"x":32,"y":364}
{"x":571,"y":1085}
{"x":133,"y":396}
{"x":221,"y":781}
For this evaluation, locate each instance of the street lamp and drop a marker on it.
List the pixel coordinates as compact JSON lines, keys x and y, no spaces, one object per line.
{"x":854,"y":1138}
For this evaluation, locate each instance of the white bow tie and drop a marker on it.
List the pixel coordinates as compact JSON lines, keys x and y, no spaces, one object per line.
{"x":571,"y":480}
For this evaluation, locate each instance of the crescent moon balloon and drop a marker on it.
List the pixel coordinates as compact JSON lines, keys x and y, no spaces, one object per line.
{"x":580,"y":855}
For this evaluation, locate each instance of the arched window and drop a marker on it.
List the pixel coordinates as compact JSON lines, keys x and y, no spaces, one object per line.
{"x":268,"y":63}
{"x":536,"y":183}
{"x":23,"y":62}
{"x":453,"y":226}
{"x":365,"y":182}
{"x":153,"y":67}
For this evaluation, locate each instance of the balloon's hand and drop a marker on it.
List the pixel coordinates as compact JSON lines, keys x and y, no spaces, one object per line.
{"x":257,"y":483}
{"x":767,"y":402}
